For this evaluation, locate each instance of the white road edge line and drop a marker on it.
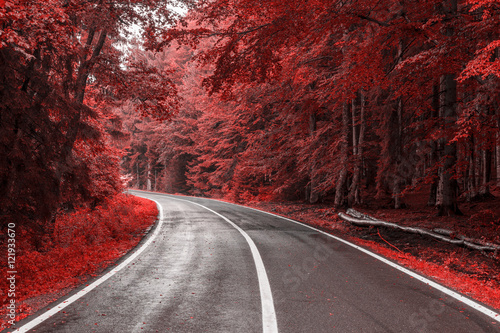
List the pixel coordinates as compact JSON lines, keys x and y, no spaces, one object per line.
{"x":57,"y":308}
{"x":475,"y":305}
{"x":269,"y":322}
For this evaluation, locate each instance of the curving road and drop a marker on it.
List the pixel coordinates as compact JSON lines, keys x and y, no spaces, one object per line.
{"x":210,"y":266}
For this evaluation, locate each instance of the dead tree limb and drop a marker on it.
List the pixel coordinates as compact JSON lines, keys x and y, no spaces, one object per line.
{"x":354,"y":217}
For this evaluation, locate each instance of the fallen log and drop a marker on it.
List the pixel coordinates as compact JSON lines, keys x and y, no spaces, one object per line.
{"x":354,"y":217}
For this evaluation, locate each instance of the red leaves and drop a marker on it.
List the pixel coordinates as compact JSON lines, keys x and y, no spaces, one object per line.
{"x":485,"y":63}
{"x":151,"y":89}
{"x":83,"y":243}
{"x":60,"y":76}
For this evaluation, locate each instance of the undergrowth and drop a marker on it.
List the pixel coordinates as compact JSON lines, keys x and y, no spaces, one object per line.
{"x":81,"y":245}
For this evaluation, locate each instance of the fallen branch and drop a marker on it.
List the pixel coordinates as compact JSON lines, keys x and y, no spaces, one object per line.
{"x":382,"y":238}
{"x":354,"y":217}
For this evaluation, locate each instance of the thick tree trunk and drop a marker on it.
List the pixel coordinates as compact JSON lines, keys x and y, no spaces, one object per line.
{"x":155,"y":181}
{"x":13,"y":167}
{"x":487,"y":160}
{"x":398,"y":144}
{"x":448,"y":188}
{"x":434,"y":148}
{"x":398,"y":177}
{"x":344,"y":152}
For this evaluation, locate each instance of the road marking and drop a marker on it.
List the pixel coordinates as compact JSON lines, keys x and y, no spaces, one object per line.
{"x":269,"y":322}
{"x":41,"y":318}
{"x":475,"y":305}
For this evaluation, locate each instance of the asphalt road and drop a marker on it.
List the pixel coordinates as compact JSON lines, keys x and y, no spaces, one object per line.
{"x":200,"y":274}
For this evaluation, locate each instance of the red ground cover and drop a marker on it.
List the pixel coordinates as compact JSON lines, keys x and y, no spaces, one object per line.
{"x":483,"y":290}
{"x":82,"y":245}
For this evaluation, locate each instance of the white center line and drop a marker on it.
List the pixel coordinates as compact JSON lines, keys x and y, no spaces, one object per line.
{"x":269,"y":322}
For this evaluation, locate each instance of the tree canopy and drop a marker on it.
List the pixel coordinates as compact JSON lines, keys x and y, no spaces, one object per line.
{"x":349,"y":100}
{"x":62,"y":74}
{"x":313,"y":100}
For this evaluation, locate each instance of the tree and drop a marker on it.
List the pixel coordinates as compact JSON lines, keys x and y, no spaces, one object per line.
{"x":338,"y":100}
{"x":53,"y":131}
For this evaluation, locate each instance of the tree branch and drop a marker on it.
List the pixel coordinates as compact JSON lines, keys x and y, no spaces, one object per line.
{"x":357,"y":218}
{"x":384,"y":24}
{"x":85,"y":67}
{"x":315,"y":59}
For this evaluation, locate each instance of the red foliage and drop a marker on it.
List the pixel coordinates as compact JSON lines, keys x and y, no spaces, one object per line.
{"x":487,"y":292}
{"x":279,"y":77}
{"x":61,"y":75}
{"x":81,"y":245}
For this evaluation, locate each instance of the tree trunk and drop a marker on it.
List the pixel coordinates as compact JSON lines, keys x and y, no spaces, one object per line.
{"x":486,"y":152}
{"x":434,"y":148}
{"x":496,"y":107}
{"x":398,"y":149}
{"x":155,"y":181}
{"x":448,"y":187}
{"x":79,"y":94}
{"x":485,"y":186}
{"x":497,"y":136}
{"x":87,"y":64}
{"x":313,"y":193}
{"x":354,"y":127}
{"x":148,"y":178}
{"x":80,"y":87}
{"x":471,"y":176}
{"x":398,"y":177}
{"x":354,"y":191}
{"x":497,"y":156}
{"x":344,"y":152}
{"x":477,"y":169}
{"x":138,"y":184}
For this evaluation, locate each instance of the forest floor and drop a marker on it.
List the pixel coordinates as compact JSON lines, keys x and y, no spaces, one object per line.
{"x":82,"y":245}
{"x":470,"y":272}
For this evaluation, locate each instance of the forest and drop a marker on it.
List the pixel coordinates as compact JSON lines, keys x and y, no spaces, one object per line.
{"x":347,"y":103}
{"x":308,"y":100}
{"x":338,"y":101}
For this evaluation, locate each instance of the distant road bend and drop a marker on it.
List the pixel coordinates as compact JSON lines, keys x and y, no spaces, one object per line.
{"x":210,"y":266}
